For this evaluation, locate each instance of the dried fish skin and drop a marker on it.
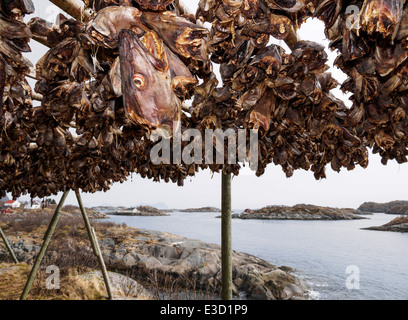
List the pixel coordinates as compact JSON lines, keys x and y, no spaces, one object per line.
{"x":155,"y":5}
{"x":251,"y":97}
{"x":353,"y":47}
{"x":55,"y":62}
{"x":251,"y":8}
{"x":381,"y":16}
{"x":68,"y":28}
{"x":2,"y":82}
{"x":329,"y":11}
{"x":115,"y":77}
{"x":183,"y":37}
{"x":286,"y":5}
{"x":403,"y":27}
{"x":13,"y":57}
{"x":105,"y":27}
{"x":311,"y":54}
{"x":82,"y":68}
{"x":270,"y":60}
{"x":148,"y":96}
{"x":387,"y":59}
{"x":16,"y":7}
{"x":183,"y":81}
{"x":14,"y":29}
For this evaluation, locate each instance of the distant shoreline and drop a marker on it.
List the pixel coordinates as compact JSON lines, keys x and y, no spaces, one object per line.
{"x":301,"y":212}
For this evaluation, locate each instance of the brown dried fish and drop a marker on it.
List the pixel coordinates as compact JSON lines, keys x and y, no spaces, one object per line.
{"x":155,"y":5}
{"x":105,"y":27}
{"x":146,"y":82}
{"x":381,"y":16}
{"x":182,"y":36}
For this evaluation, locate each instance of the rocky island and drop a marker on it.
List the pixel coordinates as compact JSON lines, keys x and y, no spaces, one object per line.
{"x":203,"y":209}
{"x":139,"y":211}
{"x":156,"y":260}
{"x":399,"y":224}
{"x":300,"y":212}
{"x":393,"y":207}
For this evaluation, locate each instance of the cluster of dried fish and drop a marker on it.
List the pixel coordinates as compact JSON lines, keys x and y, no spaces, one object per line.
{"x":107,"y":84}
{"x":286,"y":96}
{"x":15,"y":96}
{"x":110,"y":82}
{"x":371,"y":37}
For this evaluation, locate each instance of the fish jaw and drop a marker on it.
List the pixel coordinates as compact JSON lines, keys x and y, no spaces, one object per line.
{"x":149,"y":99}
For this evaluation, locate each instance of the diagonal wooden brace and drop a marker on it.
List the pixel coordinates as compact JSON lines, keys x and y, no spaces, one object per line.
{"x":9,"y":248}
{"x":95,"y":245}
{"x":47,"y":239}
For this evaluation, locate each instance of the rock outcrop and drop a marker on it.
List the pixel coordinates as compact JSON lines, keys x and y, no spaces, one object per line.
{"x":76,"y":211}
{"x":153,"y":256}
{"x":393,"y":207}
{"x":396,"y":225}
{"x":300,"y":212}
{"x":139,"y":211}
{"x":203,"y":209}
{"x":123,"y":287}
{"x":194,"y":261}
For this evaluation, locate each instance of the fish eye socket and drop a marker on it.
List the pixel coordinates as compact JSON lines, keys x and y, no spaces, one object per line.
{"x":139,"y":81}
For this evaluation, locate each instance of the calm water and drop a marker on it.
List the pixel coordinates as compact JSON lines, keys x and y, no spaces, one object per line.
{"x":320,"y":251}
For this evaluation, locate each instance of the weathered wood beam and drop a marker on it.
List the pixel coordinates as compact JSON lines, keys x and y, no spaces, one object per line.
{"x":75,"y":8}
{"x":226,"y":237}
{"x":8,"y":246}
{"x":47,"y":238}
{"x":95,"y":245}
{"x":36,"y":96}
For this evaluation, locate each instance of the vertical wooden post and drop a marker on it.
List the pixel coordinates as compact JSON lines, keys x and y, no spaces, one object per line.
{"x":9,"y":248}
{"x":47,"y":239}
{"x":226,"y":238}
{"x":95,"y":245}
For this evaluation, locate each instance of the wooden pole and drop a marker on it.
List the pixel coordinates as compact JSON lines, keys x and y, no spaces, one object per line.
{"x":47,"y":239}
{"x":75,"y":8}
{"x":95,"y":245}
{"x":9,"y":248}
{"x":226,"y":238}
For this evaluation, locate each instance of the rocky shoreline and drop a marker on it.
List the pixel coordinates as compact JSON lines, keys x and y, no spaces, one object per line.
{"x":158,"y":255}
{"x":203,"y":209}
{"x":393,"y":207}
{"x":396,"y":225}
{"x":139,"y":211}
{"x":301,"y":212}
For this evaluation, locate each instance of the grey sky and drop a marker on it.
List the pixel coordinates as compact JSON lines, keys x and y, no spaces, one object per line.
{"x":345,"y":189}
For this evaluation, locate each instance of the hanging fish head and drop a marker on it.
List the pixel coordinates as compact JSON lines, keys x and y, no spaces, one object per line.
{"x":148,"y":96}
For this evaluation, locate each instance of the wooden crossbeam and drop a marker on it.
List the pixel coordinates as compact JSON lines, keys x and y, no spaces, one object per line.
{"x":75,"y":8}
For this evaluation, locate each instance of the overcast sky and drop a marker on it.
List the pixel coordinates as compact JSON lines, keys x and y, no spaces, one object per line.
{"x":345,"y":189}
